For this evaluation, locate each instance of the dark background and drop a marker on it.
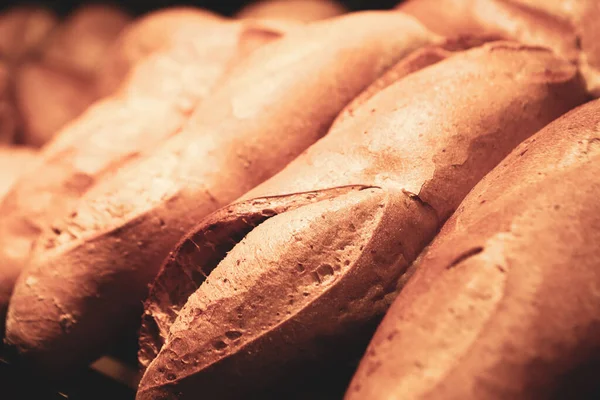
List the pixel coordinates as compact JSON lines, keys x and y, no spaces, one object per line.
{"x":222,"y":7}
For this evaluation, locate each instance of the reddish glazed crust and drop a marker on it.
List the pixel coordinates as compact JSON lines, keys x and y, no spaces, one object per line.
{"x":504,"y":304}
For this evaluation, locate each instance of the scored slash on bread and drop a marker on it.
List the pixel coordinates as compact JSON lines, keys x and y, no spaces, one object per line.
{"x":505,"y":302}
{"x":90,"y":276}
{"x":299,"y":292}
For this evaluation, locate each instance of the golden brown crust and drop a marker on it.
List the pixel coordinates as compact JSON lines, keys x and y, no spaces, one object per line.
{"x":302,"y":289}
{"x":504,"y":304}
{"x":294,"y":10}
{"x":253,"y":125}
{"x":568,"y":27}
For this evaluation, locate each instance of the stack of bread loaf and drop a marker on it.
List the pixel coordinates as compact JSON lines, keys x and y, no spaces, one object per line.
{"x":254,"y":195}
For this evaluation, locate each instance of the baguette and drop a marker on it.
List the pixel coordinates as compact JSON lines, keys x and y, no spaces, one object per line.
{"x":277,"y":102}
{"x":155,"y":32}
{"x":302,"y":289}
{"x":23,"y":31}
{"x":114,"y":132}
{"x":504,"y":304}
{"x":569,"y":27}
{"x":13,"y":161}
{"x":295,"y":10}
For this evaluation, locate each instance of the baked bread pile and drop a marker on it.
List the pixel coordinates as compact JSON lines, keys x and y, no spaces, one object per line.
{"x":267,"y":199}
{"x":52,"y":67}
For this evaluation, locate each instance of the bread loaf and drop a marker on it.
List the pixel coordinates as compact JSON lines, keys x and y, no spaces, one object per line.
{"x":277,"y":102}
{"x":154,"y":32}
{"x":301,"y":291}
{"x":295,"y":10}
{"x":115,"y":131}
{"x":569,"y":27}
{"x":505,"y":302}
